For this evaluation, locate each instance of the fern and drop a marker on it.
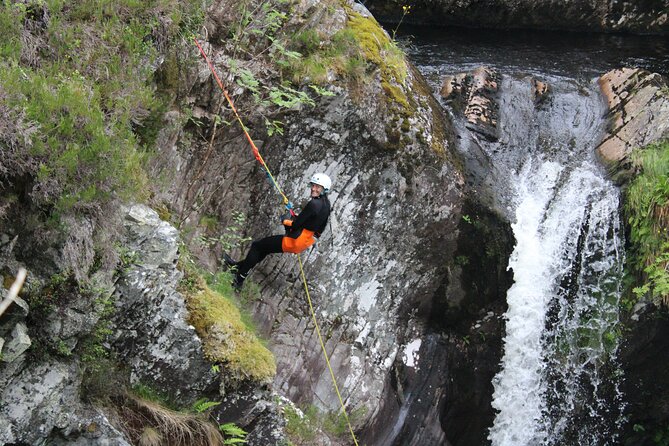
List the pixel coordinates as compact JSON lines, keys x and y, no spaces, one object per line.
{"x":236,"y":434}
{"x":202,"y":405}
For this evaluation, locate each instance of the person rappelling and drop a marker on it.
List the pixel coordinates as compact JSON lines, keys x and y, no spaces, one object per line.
{"x":302,"y":230}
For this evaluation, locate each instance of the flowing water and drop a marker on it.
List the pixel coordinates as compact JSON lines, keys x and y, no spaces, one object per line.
{"x":559,"y":380}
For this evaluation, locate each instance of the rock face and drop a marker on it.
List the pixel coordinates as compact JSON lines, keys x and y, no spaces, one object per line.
{"x":43,"y":401}
{"x":644,"y":355}
{"x":152,"y":338}
{"x":396,"y":207}
{"x":383,"y":278}
{"x":393,"y":303}
{"x":151,"y":334}
{"x":475,"y":94}
{"x":585,"y":15}
{"x":41,"y":397}
{"x":638,"y":115}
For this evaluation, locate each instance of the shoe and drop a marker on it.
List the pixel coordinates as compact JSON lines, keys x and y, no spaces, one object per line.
{"x":228,"y":262}
{"x":238,"y":282}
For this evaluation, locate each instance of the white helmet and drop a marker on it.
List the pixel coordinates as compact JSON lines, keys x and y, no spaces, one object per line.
{"x":322,"y":180}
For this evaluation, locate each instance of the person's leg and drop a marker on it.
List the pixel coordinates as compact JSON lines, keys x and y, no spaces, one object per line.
{"x":259,"y":250}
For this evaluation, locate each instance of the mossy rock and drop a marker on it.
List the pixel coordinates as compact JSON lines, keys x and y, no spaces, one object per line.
{"x":383,"y":53}
{"x":226,"y":339}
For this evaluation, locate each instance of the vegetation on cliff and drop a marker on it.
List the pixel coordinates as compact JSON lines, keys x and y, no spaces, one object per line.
{"x":647,"y":210}
{"x":227,"y":339}
{"x":79,"y":106}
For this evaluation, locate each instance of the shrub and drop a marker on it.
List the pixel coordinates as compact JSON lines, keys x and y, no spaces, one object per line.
{"x":647,"y":212}
{"x":79,"y":104}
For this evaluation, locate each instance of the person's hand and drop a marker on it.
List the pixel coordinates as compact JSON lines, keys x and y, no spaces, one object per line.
{"x":286,"y":217}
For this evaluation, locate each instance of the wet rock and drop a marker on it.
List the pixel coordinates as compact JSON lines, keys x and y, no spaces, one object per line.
{"x":638,"y":114}
{"x":476,"y":95}
{"x":644,"y":354}
{"x":452,"y":86}
{"x":540,"y":91}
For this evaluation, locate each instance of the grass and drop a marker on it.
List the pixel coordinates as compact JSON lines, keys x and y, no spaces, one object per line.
{"x":147,"y":423}
{"x":79,"y":102}
{"x":647,"y":212}
{"x":340,"y":55}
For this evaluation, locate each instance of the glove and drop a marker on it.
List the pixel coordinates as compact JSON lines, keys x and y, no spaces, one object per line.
{"x":286,"y":217}
{"x":287,"y":221}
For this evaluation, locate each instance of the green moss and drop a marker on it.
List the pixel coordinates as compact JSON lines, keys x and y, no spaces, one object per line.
{"x":379,"y":50}
{"x":396,"y":95}
{"x":226,"y":338}
{"x":377,"y":47}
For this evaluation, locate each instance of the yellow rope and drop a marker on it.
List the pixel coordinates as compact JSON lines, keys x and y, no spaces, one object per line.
{"x":325,"y":353}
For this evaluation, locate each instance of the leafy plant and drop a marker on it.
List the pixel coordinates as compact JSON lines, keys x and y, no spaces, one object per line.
{"x":233,"y":433}
{"x":303,"y":426}
{"x":647,"y":212}
{"x":203,"y":405}
{"x":231,"y":237}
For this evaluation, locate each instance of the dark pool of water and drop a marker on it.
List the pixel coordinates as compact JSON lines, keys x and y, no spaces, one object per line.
{"x":573,"y":55}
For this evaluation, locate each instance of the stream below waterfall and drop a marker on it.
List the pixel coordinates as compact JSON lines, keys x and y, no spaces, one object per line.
{"x":559,"y":378}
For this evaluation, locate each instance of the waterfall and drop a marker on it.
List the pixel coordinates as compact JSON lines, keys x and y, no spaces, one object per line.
{"x":558,"y":382}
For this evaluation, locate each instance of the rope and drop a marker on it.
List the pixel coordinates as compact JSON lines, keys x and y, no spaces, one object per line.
{"x":288,"y":204}
{"x":256,"y":153}
{"x":325,"y":353}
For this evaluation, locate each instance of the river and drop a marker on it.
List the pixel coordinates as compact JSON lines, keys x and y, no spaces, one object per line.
{"x":559,"y":377}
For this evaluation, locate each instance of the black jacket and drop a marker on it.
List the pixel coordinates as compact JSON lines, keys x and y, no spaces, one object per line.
{"x":313,"y":217}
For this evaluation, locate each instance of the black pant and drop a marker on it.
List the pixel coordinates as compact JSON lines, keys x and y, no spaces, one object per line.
{"x":259,"y":250}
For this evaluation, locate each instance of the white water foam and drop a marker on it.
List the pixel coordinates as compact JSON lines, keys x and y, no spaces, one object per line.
{"x":552,"y":208}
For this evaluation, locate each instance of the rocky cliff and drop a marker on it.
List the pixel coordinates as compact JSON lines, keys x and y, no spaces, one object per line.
{"x":385,"y":285}
{"x":408,"y":281}
{"x":383,"y":275}
{"x":638,"y":114}
{"x":637,"y":111}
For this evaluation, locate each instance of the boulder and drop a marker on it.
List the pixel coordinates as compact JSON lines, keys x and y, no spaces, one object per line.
{"x":17,"y":312}
{"x":638,"y":115}
{"x":41,"y":403}
{"x":540,"y":91}
{"x":475,"y":94}
{"x":18,"y":342}
{"x":152,"y":337}
{"x":150,"y":332}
